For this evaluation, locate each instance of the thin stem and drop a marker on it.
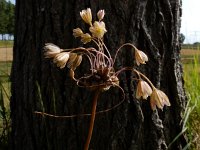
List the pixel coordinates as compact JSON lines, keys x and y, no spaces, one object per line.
{"x":126,"y":44}
{"x":145,"y":78}
{"x":107,"y":50}
{"x":103,"y":55}
{"x":82,"y":115}
{"x":102,"y":50}
{"x":73,"y":49}
{"x":94,"y":40}
{"x":94,"y":106}
{"x":137,"y":72}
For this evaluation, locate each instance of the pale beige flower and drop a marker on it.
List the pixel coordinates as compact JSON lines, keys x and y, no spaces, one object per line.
{"x":140,"y":57}
{"x":98,"y":29}
{"x":86,"y":15}
{"x":74,"y":61}
{"x":86,"y":38}
{"x":77,"y":32}
{"x":61,"y":59}
{"x":77,"y":62}
{"x":100,"y":14}
{"x":143,"y":90}
{"x":158,"y":98}
{"x":51,"y":50}
{"x":72,"y":58}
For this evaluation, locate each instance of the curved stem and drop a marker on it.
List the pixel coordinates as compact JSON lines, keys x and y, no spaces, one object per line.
{"x":126,"y":44}
{"x":106,"y":49}
{"x":137,"y":72}
{"x":92,"y":118}
{"x":83,"y":115}
{"x":147,"y":79}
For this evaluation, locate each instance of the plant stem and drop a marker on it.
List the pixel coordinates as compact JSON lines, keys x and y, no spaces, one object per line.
{"x":92,"y":118}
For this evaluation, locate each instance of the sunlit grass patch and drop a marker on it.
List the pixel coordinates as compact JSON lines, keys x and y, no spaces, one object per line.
{"x":5,"y":94}
{"x":192,"y":84}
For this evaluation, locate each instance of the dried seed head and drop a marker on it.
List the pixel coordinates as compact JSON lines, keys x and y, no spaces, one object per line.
{"x":98,"y":29}
{"x":140,"y":57}
{"x":100,"y":14}
{"x":51,"y":50}
{"x":86,"y":15}
{"x":114,"y":80}
{"x":158,"y":98}
{"x":143,"y":90}
{"x":61,"y":59}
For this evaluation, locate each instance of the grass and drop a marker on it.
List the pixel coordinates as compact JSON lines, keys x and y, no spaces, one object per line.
{"x":192,"y":85}
{"x":6,"y":43}
{"x":5,"y":68}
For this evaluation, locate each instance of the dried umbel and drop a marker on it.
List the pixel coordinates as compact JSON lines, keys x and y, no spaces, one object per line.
{"x":102,"y":73}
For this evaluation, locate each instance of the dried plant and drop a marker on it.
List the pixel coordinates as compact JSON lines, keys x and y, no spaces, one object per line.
{"x":102,"y":73}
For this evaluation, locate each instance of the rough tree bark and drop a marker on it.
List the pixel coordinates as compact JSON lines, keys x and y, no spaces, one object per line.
{"x":152,"y":25}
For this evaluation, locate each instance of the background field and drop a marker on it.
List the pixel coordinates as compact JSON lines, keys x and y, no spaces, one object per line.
{"x":6,"y":54}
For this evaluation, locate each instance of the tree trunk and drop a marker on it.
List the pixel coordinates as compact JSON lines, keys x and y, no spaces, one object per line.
{"x":38,"y":85}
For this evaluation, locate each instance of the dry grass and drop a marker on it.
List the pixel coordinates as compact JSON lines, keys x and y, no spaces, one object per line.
{"x":189,"y":52}
{"x":6,"y":54}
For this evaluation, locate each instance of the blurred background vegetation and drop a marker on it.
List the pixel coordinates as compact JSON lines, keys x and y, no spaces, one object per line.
{"x":6,"y":43}
{"x":6,"y":19}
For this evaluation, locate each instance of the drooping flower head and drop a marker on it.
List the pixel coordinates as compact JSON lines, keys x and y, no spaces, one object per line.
{"x":143,"y":90}
{"x":61,"y":59}
{"x":158,"y":98}
{"x":74,"y":61}
{"x":51,"y":50}
{"x":140,"y":57}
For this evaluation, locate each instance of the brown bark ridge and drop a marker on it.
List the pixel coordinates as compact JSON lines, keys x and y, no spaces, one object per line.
{"x":38,"y":85}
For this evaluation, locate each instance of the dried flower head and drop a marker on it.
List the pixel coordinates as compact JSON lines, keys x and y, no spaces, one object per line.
{"x":102,"y":75}
{"x":86,"y":15}
{"x":98,"y":29}
{"x":77,"y":32}
{"x":61,"y":59}
{"x":143,"y":90}
{"x":100,"y":14}
{"x":140,"y":57}
{"x":86,"y":38}
{"x":51,"y":50}
{"x":158,"y":98}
